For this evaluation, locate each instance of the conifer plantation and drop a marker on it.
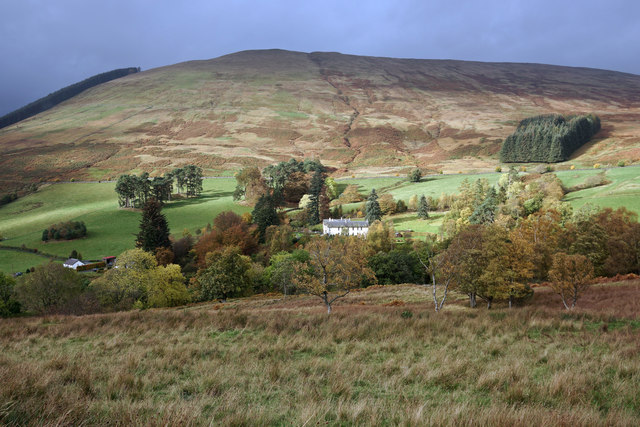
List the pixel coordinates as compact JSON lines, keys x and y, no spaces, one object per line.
{"x":549,"y":138}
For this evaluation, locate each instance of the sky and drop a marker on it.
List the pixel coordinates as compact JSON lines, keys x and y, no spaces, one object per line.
{"x":48,"y":44}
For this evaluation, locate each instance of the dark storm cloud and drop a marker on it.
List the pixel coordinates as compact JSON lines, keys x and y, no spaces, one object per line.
{"x":47,"y":44}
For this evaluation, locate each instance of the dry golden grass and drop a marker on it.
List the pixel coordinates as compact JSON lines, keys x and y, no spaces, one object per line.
{"x":266,"y":360}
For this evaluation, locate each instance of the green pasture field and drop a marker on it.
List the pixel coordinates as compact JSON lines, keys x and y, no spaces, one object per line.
{"x":623,"y":191}
{"x":14,"y":261}
{"x":111,"y":230}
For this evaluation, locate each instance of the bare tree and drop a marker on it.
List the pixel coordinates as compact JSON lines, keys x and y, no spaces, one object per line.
{"x":439,"y":268}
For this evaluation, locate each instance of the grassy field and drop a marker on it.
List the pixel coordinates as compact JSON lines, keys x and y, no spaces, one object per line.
{"x":623,"y":191}
{"x":111,"y":230}
{"x":13,"y":261}
{"x":382,"y":358}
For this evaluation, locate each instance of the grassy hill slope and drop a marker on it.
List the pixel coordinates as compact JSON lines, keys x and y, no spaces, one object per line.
{"x":382,"y":358}
{"x":354,"y":113}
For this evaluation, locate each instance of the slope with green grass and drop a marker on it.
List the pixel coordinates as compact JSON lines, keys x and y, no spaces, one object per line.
{"x":111,"y":230}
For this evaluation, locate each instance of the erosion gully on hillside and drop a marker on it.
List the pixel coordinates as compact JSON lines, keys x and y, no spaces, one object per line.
{"x":356,"y":114}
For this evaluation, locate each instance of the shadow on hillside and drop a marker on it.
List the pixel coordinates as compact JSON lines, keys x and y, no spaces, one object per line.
{"x":204,"y":198}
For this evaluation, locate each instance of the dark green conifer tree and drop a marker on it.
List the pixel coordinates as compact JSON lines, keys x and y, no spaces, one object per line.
{"x":154,"y":229}
{"x":485,"y":213}
{"x":315,"y":190}
{"x":372,"y":207}
{"x":423,"y":208}
{"x":264,"y":214}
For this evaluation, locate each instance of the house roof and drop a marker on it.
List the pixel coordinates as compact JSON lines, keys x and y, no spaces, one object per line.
{"x":333,"y":223}
{"x":72,"y":261}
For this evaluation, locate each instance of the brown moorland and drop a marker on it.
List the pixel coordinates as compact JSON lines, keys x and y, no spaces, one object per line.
{"x":354,"y":113}
{"x":382,"y":357}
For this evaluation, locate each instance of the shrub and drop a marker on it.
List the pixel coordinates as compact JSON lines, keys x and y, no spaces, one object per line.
{"x":8,"y":305}
{"x":621,"y":164}
{"x":51,"y":288}
{"x":415,"y":175}
{"x":65,"y":231}
{"x":8,"y":198}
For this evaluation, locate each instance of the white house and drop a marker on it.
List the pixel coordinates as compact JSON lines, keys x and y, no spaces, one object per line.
{"x":345,"y":227}
{"x":73,"y":263}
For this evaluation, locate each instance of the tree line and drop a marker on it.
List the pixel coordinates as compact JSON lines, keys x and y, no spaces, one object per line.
{"x":548,"y":138}
{"x":135,"y":191}
{"x":62,"y":95}
{"x":495,"y":243}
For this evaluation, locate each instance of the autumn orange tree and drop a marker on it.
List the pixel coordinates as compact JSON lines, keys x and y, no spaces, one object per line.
{"x":509,"y":266}
{"x":336,"y":266}
{"x":622,"y":242}
{"x":467,"y":260}
{"x":229,"y":229}
{"x":570,"y":275}
{"x":542,"y":231}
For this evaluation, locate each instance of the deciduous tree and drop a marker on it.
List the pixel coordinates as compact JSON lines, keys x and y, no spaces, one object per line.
{"x":335,"y":267}
{"x":226,"y":275}
{"x":51,"y":288}
{"x":9,"y":306}
{"x":570,"y":276}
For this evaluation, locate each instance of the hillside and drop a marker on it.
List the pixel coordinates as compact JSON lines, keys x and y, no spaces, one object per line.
{"x":382,"y":358}
{"x":357,"y":114}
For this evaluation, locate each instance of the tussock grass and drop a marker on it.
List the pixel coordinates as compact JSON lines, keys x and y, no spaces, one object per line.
{"x":271,"y":361}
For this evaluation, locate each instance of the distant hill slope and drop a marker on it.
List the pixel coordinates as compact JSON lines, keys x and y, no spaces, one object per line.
{"x":358,"y":114}
{"x":62,"y":95}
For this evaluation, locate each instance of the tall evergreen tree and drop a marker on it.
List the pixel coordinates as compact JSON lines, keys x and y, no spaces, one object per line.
{"x":485,"y":213}
{"x":315,"y":191}
{"x":264,"y":214}
{"x":423,"y":208}
{"x":154,"y":229}
{"x":193,"y":180}
{"x":372,"y":207}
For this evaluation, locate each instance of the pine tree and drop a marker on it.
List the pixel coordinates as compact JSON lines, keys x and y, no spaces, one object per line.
{"x":372,"y":207}
{"x":315,"y":190}
{"x":423,"y":208}
{"x":264,"y":214}
{"x":485,"y":213}
{"x":154,"y":230}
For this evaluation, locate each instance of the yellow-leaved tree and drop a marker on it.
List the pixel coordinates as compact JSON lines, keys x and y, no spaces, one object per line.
{"x":336,"y":265}
{"x":570,"y":276}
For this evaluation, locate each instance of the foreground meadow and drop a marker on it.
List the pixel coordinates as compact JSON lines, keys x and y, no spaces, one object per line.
{"x":383,"y":357}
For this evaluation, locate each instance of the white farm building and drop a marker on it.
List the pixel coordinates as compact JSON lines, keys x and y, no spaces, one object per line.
{"x":345,"y":227}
